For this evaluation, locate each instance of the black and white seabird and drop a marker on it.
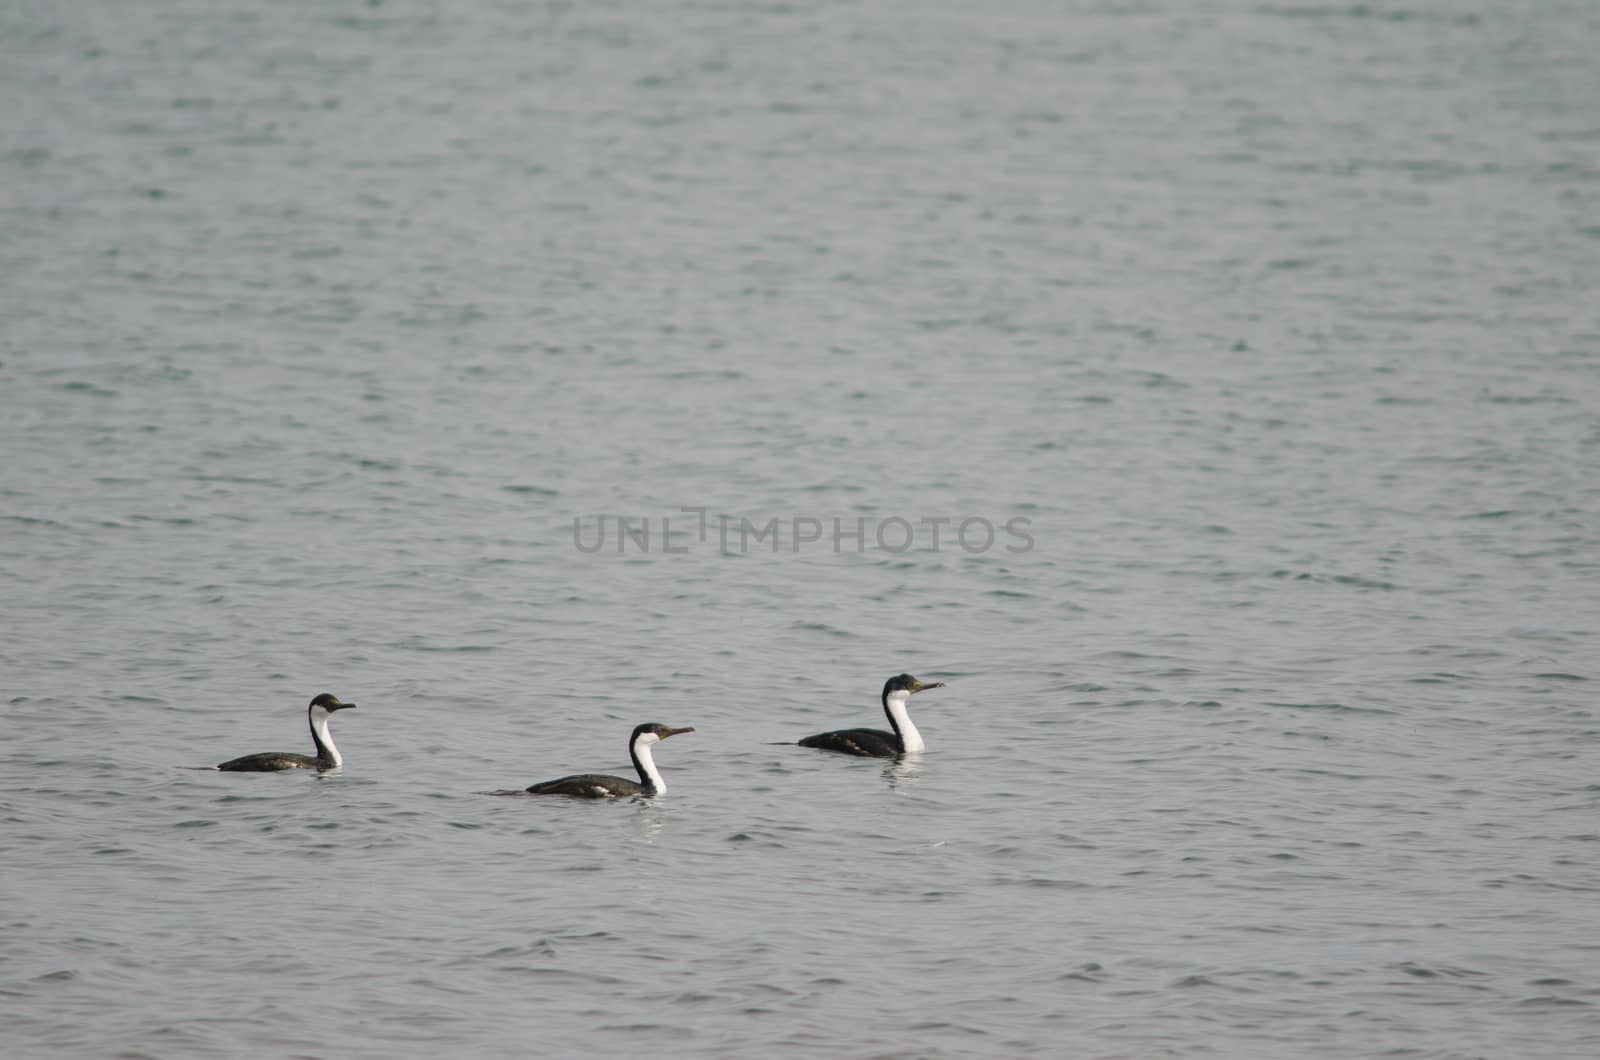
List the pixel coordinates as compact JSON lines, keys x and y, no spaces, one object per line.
{"x":875,"y":743}
{"x":601,"y":786}
{"x":327,"y":757}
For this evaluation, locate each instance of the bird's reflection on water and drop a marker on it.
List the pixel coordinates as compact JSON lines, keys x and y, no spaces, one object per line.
{"x":903,"y":771}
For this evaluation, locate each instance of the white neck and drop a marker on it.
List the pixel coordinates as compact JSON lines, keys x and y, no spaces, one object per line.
{"x":319,"y":731}
{"x":910,"y":738}
{"x":647,"y":765}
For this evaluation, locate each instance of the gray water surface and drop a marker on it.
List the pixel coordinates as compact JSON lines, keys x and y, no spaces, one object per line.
{"x":336,"y":336}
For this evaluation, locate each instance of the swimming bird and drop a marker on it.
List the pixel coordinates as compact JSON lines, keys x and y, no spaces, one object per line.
{"x":875,"y":743}
{"x":601,"y":786}
{"x":328,"y":756}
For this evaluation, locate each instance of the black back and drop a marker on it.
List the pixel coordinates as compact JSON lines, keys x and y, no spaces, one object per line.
{"x":868,"y":743}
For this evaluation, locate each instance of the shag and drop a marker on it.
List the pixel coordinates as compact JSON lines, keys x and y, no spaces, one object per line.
{"x":601,"y":786}
{"x":875,"y":743}
{"x":328,"y":756}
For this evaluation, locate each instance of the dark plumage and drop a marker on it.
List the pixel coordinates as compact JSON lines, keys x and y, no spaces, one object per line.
{"x":590,"y":786}
{"x":869,"y":743}
{"x":602,"y":786}
{"x":875,"y":743}
{"x":327,"y":756}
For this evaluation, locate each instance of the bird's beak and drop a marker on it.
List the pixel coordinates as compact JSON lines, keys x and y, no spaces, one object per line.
{"x":924,"y":686}
{"x":675,"y":732}
{"x":342,"y":706}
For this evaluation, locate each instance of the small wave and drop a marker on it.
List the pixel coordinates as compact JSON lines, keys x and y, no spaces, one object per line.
{"x":1190,"y":981}
{"x":1336,"y":708}
{"x":449,"y":649}
{"x":85,"y":388}
{"x":821,"y":627}
{"x":30,"y":520}
{"x":1443,"y":971}
{"x":1352,"y":580}
{"x":1551,"y":1001}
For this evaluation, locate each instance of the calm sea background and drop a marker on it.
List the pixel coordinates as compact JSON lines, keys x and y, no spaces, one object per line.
{"x":335,"y":336}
